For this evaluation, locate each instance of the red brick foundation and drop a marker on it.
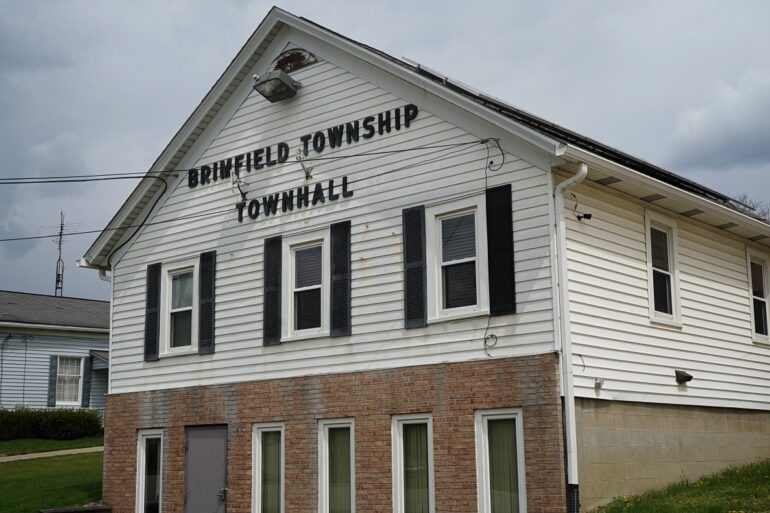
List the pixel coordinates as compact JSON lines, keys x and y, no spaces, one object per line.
{"x":451,"y":392}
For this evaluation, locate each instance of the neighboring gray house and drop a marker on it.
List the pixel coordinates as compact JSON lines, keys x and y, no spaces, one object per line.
{"x":54,"y":351}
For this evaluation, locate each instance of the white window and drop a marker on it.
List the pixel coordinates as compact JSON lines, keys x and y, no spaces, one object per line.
{"x":457,"y":259}
{"x":662,"y":269}
{"x":759,"y":284}
{"x":69,"y":381}
{"x":500,"y":461}
{"x":149,"y":471}
{"x":179,"y":307}
{"x":306,"y":271}
{"x":413,"y":489}
{"x":268,"y":465}
{"x":336,"y":466}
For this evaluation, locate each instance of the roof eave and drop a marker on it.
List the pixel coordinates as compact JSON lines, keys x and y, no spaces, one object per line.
{"x":625,"y":173}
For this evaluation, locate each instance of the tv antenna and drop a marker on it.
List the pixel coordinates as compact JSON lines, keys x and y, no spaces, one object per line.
{"x":59,"y":289}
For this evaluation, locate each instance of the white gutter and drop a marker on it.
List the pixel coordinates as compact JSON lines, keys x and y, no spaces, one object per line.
{"x":52,"y":327}
{"x":629,"y":175}
{"x":82,"y":263}
{"x":564,"y":323}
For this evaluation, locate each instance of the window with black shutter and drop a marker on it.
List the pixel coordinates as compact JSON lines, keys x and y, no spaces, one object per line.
{"x":306,"y":275}
{"x":458,"y":258}
{"x":179,"y":316}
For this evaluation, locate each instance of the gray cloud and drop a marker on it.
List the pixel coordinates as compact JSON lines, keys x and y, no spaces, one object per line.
{"x":106,"y":91}
{"x":731,"y":130}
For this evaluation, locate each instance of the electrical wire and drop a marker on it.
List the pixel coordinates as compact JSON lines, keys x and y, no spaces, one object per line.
{"x":442,"y":155}
{"x":20,"y":180}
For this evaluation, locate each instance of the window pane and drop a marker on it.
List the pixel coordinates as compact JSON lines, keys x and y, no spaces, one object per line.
{"x":458,"y":237}
{"x":307,"y":309}
{"x":307,"y":267}
{"x":459,"y":284}
{"x":68,"y":380}
{"x":760,"y":317}
{"x":181,"y":290}
{"x":659,"y":241}
{"x":661,"y":283}
{"x":69,"y":366}
{"x":416,"y":498}
{"x":67,"y":388}
{"x":503,"y":466}
{"x":271,"y":472}
{"x":152,"y":475}
{"x":339,"y":470}
{"x":181,"y":328}
{"x":757,"y":280}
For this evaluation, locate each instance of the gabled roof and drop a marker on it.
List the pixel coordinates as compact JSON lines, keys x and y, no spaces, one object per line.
{"x":39,"y":310}
{"x":548,"y":136}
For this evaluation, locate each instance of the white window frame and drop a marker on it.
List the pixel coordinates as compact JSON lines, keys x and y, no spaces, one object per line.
{"x":290,"y":245}
{"x":80,"y":383}
{"x":167,"y":271}
{"x":143,"y":435}
{"x":482,"y":455}
{"x":434,"y":214}
{"x":397,"y":433}
{"x":764,"y":260}
{"x":666,"y":224}
{"x":256,"y":464}
{"x":323,"y":461}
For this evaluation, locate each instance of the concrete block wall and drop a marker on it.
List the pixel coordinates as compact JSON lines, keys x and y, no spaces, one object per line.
{"x":451,"y":392}
{"x":627,"y":448}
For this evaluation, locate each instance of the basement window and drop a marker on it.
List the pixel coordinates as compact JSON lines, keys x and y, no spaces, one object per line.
{"x":149,"y":471}
{"x":413,"y":489}
{"x":500,"y":461}
{"x":268,"y":477}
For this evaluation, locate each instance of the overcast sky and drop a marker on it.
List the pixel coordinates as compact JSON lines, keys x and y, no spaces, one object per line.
{"x":93,"y":87}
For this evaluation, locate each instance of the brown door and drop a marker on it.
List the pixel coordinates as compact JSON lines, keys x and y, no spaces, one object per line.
{"x":206,"y":470}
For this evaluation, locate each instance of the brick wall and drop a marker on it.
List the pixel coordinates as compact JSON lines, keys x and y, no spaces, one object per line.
{"x":451,"y":392}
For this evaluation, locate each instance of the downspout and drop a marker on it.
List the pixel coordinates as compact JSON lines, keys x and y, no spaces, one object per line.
{"x":573,"y":493}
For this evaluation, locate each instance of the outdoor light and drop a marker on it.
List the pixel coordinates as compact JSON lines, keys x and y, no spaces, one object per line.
{"x":682,"y":377}
{"x":276,"y":85}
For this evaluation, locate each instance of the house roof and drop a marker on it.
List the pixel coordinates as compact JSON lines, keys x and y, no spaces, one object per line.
{"x":554,"y":138}
{"x":20,"y":308}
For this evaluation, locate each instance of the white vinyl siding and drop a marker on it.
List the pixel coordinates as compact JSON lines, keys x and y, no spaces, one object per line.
{"x":25,"y":366}
{"x":383,"y":185}
{"x":612,"y":336}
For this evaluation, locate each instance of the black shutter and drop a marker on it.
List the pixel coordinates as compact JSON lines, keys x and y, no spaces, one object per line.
{"x":415,"y":287}
{"x":271,"y":302}
{"x":206,"y":293}
{"x":152,"y":313}
{"x":502,"y":287}
{"x":53,"y":371}
{"x":340,"y":283}
{"x":85,"y":401}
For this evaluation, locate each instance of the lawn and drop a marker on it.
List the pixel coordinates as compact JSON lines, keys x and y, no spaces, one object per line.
{"x":737,"y":490}
{"x":29,"y":445}
{"x":26,"y":486}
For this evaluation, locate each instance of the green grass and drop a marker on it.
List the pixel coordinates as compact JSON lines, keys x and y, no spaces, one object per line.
{"x":26,"y":486}
{"x":30,"y":445}
{"x":736,"y":490}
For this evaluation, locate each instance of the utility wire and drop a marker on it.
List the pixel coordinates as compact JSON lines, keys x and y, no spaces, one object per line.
{"x":212,"y":212}
{"x":20,"y":180}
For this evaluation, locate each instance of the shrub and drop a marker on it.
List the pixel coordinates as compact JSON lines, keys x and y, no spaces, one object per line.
{"x":50,"y":424}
